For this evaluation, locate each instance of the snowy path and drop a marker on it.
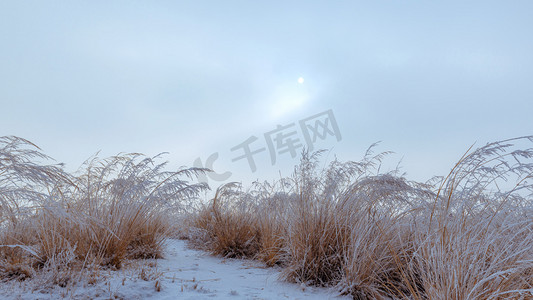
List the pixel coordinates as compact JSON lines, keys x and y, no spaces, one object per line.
{"x":229,"y":278}
{"x":186,"y":274}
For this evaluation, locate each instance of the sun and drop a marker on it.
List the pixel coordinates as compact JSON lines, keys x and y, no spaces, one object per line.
{"x":300,"y":80}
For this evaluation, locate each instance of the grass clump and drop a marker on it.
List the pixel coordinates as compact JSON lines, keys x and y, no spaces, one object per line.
{"x":227,"y":225}
{"x":377,"y":235}
{"x":475,"y":241}
{"x":113,"y":209}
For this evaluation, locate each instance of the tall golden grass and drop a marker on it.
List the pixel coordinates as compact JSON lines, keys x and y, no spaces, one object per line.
{"x":375,"y":235}
{"x":369,"y":234}
{"x":111,"y":210}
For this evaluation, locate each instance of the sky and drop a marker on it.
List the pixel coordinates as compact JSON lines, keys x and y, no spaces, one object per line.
{"x":198,"y":78}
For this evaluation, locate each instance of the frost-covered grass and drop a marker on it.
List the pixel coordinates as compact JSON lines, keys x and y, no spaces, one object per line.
{"x":366,"y":233}
{"x":377,"y":235}
{"x":57,"y":226}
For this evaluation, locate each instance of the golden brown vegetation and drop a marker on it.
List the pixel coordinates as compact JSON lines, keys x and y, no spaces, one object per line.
{"x":379,"y":236}
{"x":114,"y":209}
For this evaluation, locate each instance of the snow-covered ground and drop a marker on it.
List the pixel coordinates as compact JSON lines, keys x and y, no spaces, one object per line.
{"x":182,"y":274}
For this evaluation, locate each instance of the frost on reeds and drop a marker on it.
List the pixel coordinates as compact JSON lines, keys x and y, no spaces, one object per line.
{"x":23,"y":182}
{"x":475,"y":240}
{"x":227,"y":226}
{"x":377,"y":235}
{"x":112,"y":209}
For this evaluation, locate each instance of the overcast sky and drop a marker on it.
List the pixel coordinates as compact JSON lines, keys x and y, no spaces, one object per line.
{"x":194,"y":78}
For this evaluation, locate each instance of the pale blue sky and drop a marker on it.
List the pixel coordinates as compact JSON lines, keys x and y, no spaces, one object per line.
{"x":193,"y":78}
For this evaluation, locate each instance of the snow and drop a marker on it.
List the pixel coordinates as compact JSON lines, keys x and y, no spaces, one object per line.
{"x":183,"y":274}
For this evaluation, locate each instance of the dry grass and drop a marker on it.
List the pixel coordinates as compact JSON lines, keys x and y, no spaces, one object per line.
{"x":476,"y":240}
{"x":227,"y":224}
{"x":113,"y":209}
{"x":369,"y":234}
{"x":379,"y":236}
